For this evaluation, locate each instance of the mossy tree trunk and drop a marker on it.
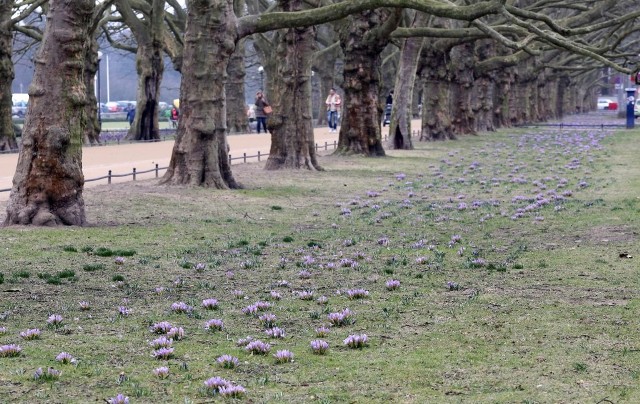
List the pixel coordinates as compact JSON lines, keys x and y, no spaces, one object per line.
{"x":48,"y":182}
{"x":363,"y":37}
{"x":200,"y":153}
{"x":291,"y":124}
{"x":7,"y":135}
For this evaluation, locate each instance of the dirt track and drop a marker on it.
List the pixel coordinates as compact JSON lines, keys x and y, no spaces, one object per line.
{"x":121,"y":159}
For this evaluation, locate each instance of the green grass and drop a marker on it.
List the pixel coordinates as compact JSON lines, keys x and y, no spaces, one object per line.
{"x":545,"y":307}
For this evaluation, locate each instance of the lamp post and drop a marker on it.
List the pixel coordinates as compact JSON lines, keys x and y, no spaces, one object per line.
{"x":261,"y":71}
{"x":98,"y":92}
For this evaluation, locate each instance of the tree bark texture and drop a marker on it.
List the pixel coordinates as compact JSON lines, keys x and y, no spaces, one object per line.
{"x":93,"y":127}
{"x":200,"y":153}
{"x":461,"y":66}
{"x":363,"y":38}
{"x":291,"y":124}
{"x":237,"y":119}
{"x":482,"y":94}
{"x":401,"y":111}
{"x":149,"y":67}
{"x":7,"y":135}
{"x":436,"y":112}
{"x":47,"y":185}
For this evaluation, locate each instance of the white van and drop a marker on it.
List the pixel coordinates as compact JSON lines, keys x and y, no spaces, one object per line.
{"x":19,"y":107}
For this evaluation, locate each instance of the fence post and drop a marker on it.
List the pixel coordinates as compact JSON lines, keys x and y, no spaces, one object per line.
{"x":335,"y":144}
{"x":244,"y":157}
{"x":229,"y":159}
{"x":258,"y":156}
{"x":109,"y":178}
{"x":134,"y":173}
{"x":156,"y":170}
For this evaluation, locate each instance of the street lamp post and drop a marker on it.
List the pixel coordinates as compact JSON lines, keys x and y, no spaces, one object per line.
{"x":98,"y":92}
{"x":261,"y":71}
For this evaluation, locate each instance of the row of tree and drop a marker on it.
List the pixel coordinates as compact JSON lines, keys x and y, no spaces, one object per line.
{"x":478,"y":65}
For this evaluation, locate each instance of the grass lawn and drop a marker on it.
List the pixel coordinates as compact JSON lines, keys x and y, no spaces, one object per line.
{"x":496,"y":268}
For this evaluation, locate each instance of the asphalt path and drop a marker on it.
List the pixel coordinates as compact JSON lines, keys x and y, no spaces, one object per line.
{"x":122,"y":158}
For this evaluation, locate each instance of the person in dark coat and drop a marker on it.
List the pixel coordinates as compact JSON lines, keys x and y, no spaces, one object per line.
{"x":261,"y":116}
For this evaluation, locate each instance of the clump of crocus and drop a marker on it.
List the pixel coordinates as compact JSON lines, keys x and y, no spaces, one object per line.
{"x":322,"y":332}
{"x":65,"y":357}
{"x":228,"y":361}
{"x":54,"y":320}
{"x":210,"y":304}
{"x":238,"y":294}
{"x":284,"y":284}
{"x":258,"y":347}
{"x":3,"y":330}
{"x":250,"y":310}
{"x":214,"y":325}
{"x":392,"y":284}
{"x":268,"y":320}
{"x":356,"y":341}
{"x":161,"y":328}
{"x":215,"y":383}
{"x":123,"y":311}
{"x":357,"y":293}
{"x":181,"y":307}
{"x":304,"y":274}
{"x":243,"y":342}
{"x":30,"y":334}
{"x":160,"y":290}
{"x":453,"y":285}
{"x":50,"y":374}
{"x":84,"y":305}
{"x":119,"y":260}
{"x":232,"y":391}
{"x":10,"y":351}
{"x":305,"y":295}
{"x":319,"y":346}
{"x":119,"y":399}
{"x":262,"y":305}
{"x":161,"y":372}
{"x":162,"y":342}
{"x":200,"y":266}
{"x":283,"y":356}
{"x":344,"y":317}
{"x":322,"y":300}
{"x":176,"y":333}
{"x":163,"y":353}
{"x":275,"y":332}
{"x":275,"y":295}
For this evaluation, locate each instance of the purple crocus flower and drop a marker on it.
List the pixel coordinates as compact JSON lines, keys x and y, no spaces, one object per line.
{"x":161,"y":372}
{"x":214,"y":325}
{"x":228,"y":361}
{"x":210,"y":304}
{"x":283,"y":356}
{"x":65,"y":357}
{"x":30,"y":334}
{"x":119,"y":399}
{"x":319,"y":346}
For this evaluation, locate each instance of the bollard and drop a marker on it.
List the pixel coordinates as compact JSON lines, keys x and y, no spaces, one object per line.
{"x":156,"y":170}
{"x":134,"y":173}
{"x":229,"y":159}
{"x":258,"y":156}
{"x":244,"y":157}
{"x":109,"y":178}
{"x":325,"y":146}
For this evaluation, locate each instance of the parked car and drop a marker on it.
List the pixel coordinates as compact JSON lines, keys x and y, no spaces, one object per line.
{"x":112,"y":106}
{"x":636,"y":108}
{"x":19,"y":109}
{"x":603,"y":103}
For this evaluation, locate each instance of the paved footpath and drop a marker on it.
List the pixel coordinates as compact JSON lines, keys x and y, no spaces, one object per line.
{"x":121,"y":159}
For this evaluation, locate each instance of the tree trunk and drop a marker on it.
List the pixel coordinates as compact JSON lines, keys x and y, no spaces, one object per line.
{"x":363,"y":38}
{"x":291,"y":124}
{"x":461,"y":66}
{"x":200,"y":153}
{"x":501,"y":96}
{"x":93,"y":128}
{"x":482,"y":94}
{"x":7,"y":135}
{"x":436,"y":94}
{"x":150,"y":67}
{"x":401,"y":112}
{"x":237,"y":119}
{"x":47,"y":185}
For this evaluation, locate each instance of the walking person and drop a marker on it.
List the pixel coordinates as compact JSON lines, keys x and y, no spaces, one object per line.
{"x":131,"y":114}
{"x":262,"y":111}
{"x":175,"y":115}
{"x":333,"y":103}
